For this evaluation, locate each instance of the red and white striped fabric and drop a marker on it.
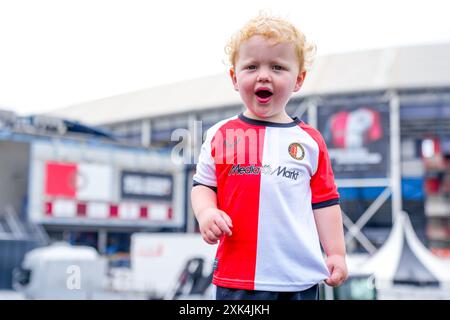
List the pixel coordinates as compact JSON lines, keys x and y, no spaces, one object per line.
{"x":67,"y":208}
{"x":268,"y":177}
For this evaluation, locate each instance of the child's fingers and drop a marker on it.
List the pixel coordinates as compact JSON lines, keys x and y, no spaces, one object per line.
{"x":223,"y":226}
{"x":330,"y":282}
{"x":208,"y":241}
{"x":216,"y":231}
{"x":210,"y":237}
{"x":227,"y":219}
{"x":335,"y":279}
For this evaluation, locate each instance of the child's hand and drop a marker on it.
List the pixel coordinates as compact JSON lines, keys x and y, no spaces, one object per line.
{"x":214,"y":223}
{"x":338,"y":270}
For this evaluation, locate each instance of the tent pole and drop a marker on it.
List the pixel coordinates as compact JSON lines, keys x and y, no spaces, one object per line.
{"x":394,"y":121}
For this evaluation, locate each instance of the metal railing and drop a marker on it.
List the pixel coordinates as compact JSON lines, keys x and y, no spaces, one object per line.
{"x":13,"y":228}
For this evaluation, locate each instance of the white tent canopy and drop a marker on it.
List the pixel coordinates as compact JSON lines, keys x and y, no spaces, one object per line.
{"x":402,"y":262}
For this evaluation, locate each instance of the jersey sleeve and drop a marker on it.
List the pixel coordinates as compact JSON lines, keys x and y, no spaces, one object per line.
{"x":323,"y":187}
{"x":206,"y":169}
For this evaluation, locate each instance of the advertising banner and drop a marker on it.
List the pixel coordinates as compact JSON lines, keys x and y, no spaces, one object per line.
{"x":67,"y":190}
{"x":357,"y":137}
{"x":146,"y":186}
{"x":82,"y":181}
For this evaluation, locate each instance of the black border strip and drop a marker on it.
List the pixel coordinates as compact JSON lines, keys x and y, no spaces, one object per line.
{"x":324,"y":204}
{"x":201,"y":184}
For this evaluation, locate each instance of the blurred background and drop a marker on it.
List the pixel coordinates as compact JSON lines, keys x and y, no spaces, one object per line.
{"x":104,"y":105}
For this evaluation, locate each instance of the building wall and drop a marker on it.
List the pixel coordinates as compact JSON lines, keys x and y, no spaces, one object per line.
{"x":14,"y":160}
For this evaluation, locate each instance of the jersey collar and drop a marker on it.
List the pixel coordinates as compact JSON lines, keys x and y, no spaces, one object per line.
{"x":295,"y":121}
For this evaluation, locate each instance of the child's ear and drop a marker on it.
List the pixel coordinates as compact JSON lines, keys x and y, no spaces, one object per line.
{"x":233,"y":79}
{"x":300,"y":78}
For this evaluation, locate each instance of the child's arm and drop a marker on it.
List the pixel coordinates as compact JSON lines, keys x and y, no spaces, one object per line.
{"x":214,"y":223}
{"x":331,"y":235}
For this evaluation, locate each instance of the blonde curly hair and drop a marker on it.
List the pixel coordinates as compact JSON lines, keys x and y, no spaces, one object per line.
{"x":278,"y":29}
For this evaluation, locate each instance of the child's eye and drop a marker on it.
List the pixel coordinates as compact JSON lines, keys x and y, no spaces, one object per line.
{"x":277,"y":67}
{"x":251,"y":67}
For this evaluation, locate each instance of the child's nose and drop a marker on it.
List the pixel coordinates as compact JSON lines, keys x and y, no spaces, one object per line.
{"x":263,"y":76}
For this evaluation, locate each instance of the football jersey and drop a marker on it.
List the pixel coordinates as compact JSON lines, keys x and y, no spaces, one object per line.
{"x":268,"y":178}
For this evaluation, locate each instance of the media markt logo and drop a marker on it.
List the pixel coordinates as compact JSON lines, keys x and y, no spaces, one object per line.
{"x":265,"y":169}
{"x":240,"y":170}
{"x":296,"y":151}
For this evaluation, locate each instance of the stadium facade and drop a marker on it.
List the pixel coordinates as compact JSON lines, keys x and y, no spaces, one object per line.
{"x":341,"y":92}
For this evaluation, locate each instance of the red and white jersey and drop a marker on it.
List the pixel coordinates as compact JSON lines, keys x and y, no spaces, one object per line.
{"x":268,"y":177}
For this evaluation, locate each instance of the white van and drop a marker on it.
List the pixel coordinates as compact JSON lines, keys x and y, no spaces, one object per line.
{"x":61,"y":271}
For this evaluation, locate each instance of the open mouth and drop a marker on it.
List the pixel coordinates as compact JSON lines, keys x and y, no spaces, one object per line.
{"x":263,"y":95}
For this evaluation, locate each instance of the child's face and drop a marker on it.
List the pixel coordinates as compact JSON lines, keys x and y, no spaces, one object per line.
{"x":266,"y":74}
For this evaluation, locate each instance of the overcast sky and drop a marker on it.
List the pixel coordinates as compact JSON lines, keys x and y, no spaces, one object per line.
{"x":57,"y":53}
